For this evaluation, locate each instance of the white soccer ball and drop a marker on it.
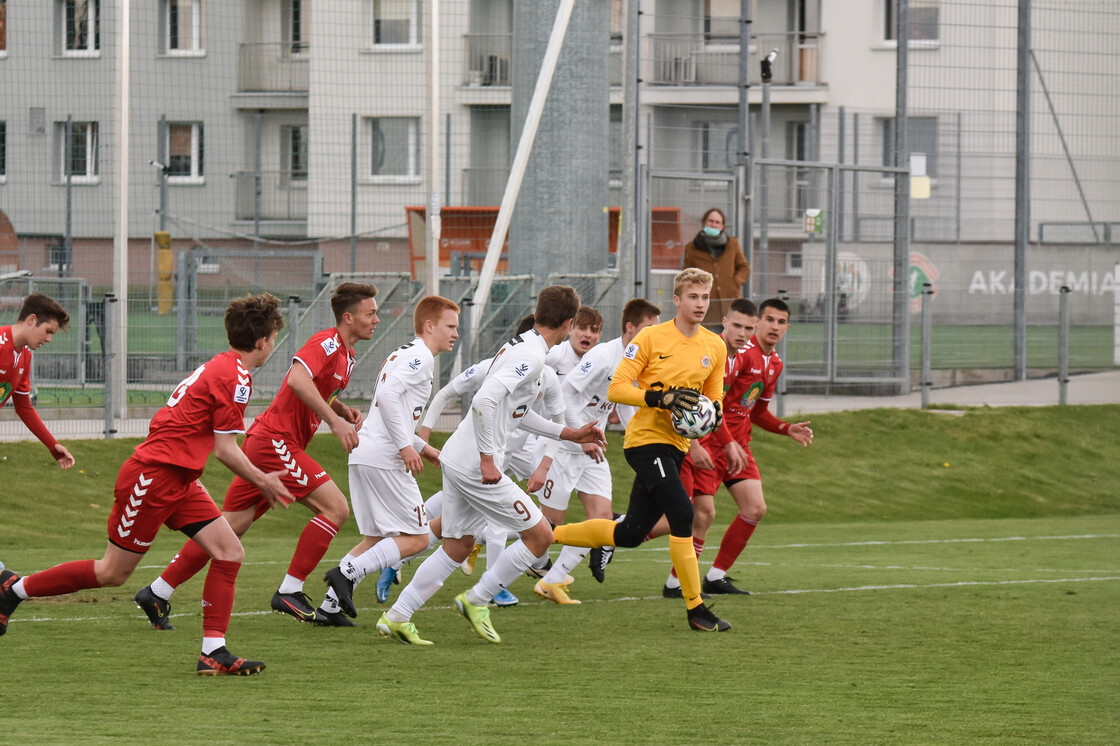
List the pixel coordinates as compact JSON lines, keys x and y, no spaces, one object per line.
{"x":698,"y":422}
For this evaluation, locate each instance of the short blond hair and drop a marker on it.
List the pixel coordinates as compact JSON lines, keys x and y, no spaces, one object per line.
{"x":691,"y":276}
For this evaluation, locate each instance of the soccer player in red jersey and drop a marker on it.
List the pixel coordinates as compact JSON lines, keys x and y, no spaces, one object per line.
{"x":39,"y":319}
{"x":747,"y":402}
{"x":158,"y":485}
{"x":276,"y":441}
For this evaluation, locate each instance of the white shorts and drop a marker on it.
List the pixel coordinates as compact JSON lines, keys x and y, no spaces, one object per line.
{"x":386,"y":502}
{"x":469,"y":505}
{"x":573,"y":471}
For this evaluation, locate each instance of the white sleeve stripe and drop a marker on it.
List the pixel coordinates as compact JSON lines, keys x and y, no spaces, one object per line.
{"x":225,"y":432}
{"x":305,"y":365}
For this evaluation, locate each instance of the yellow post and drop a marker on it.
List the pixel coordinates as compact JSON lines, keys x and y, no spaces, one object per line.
{"x":164,"y":265}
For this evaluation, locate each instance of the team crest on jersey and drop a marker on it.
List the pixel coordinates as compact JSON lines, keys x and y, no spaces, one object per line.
{"x":585,"y":366}
{"x":5,"y":391}
{"x":470,"y":372}
{"x":522,"y":370}
{"x":416,"y":412}
{"x":329,"y":346}
{"x":750,"y":396}
{"x":706,"y":362}
{"x":241,"y":393}
{"x":631,"y":351}
{"x":333,"y":396}
{"x":414,"y":364}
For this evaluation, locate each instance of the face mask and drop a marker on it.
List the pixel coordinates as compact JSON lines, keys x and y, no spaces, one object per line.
{"x":713,"y":232}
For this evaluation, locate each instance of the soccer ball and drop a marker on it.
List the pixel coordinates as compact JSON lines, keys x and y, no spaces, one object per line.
{"x":698,"y":422}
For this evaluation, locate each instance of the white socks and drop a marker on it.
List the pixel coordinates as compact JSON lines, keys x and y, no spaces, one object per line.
{"x":161,"y":588}
{"x":565,"y":563}
{"x":381,"y":555}
{"x":428,"y":579}
{"x":514,"y":561}
{"x":291,"y":585}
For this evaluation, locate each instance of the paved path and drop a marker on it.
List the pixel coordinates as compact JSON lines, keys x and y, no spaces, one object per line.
{"x":1093,"y":388}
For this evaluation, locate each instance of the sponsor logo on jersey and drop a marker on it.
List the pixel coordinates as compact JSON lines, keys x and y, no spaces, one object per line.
{"x":3,"y":339}
{"x":585,"y":366}
{"x":241,"y":393}
{"x":663,"y":357}
{"x":470,"y":372}
{"x":329,"y":345}
{"x":750,"y":396}
{"x":5,"y":391}
{"x":320,"y":475}
{"x":337,"y":376}
{"x":522,"y":370}
{"x":705,"y":362}
{"x":416,"y":412}
{"x":414,"y":364}
{"x":631,"y":351}
{"x":333,"y":396}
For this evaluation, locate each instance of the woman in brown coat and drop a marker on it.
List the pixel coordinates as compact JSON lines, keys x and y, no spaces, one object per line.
{"x":714,"y":251}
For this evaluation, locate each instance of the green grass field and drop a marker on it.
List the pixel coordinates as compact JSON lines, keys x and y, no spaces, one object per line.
{"x":921,"y":578}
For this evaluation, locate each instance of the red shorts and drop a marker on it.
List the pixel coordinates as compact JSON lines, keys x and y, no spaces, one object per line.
{"x":148,"y":496}
{"x":304,"y":475}
{"x":706,"y":481}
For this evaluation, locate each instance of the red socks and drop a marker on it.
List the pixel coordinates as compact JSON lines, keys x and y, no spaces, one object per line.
{"x":734,"y":541}
{"x":312,"y":546}
{"x":186,"y":564}
{"x":65,"y":578}
{"x":217,"y":597}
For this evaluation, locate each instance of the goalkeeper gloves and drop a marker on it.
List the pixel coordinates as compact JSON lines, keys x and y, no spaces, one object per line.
{"x":678,"y":400}
{"x":719,"y":414}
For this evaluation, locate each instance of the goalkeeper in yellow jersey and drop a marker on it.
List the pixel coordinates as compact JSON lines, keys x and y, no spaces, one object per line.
{"x":664,"y":368}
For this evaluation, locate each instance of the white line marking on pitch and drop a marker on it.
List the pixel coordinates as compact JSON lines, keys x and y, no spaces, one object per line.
{"x":791,"y":591}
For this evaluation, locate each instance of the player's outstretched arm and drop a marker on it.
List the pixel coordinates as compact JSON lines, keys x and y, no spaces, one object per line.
{"x":586,"y":434}
{"x":30,"y":417}
{"x":270,"y":484}
{"x":302,"y":384}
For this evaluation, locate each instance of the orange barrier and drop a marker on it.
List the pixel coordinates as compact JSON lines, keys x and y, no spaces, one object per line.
{"x":467,"y":230}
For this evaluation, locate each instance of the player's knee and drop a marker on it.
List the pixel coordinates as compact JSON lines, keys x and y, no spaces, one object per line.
{"x":110,"y":577}
{"x":704,"y":514}
{"x":628,"y":536}
{"x":231,"y":553}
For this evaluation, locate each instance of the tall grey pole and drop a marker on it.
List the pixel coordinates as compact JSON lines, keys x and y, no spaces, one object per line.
{"x":1063,"y":344}
{"x":162,"y":164}
{"x":855,"y":177}
{"x":927,"y":342}
{"x":257,"y":125}
{"x":353,"y":193}
{"x":764,"y":172}
{"x":960,"y":165}
{"x":110,"y":359}
{"x":628,"y":229}
{"x":900,"y":288}
{"x":447,"y":160}
{"x":743,"y":160}
{"x":68,"y":170}
{"x":840,"y":125}
{"x":1022,"y":184}
{"x":293,"y":326}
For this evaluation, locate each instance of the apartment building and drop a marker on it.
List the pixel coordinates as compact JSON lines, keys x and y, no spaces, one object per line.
{"x":282,"y":114}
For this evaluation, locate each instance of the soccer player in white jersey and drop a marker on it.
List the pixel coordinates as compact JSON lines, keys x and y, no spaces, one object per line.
{"x":517,"y":463}
{"x":587,"y":330}
{"x":584,"y":468}
{"x":383,"y":467}
{"x":475,"y":490}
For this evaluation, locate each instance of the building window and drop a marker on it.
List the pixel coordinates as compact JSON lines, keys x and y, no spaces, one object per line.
{"x":3,"y":151}
{"x":921,"y":136}
{"x":718,"y":145}
{"x":618,"y":21}
{"x":293,"y":155}
{"x":296,"y":27}
{"x":81,"y":27}
{"x":78,"y":153}
{"x":396,"y":148}
{"x":183,"y":26}
{"x":721,"y":21}
{"x":185,"y":152}
{"x":925,"y":21}
{"x":396,"y":22}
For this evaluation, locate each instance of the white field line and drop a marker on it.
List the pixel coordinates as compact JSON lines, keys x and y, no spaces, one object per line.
{"x":791,"y":591}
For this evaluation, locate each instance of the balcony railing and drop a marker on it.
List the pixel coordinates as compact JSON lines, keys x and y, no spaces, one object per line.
{"x":487,"y":59}
{"x":273,"y":67}
{"x":688,"y":59}
{"x":283,"y":195}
